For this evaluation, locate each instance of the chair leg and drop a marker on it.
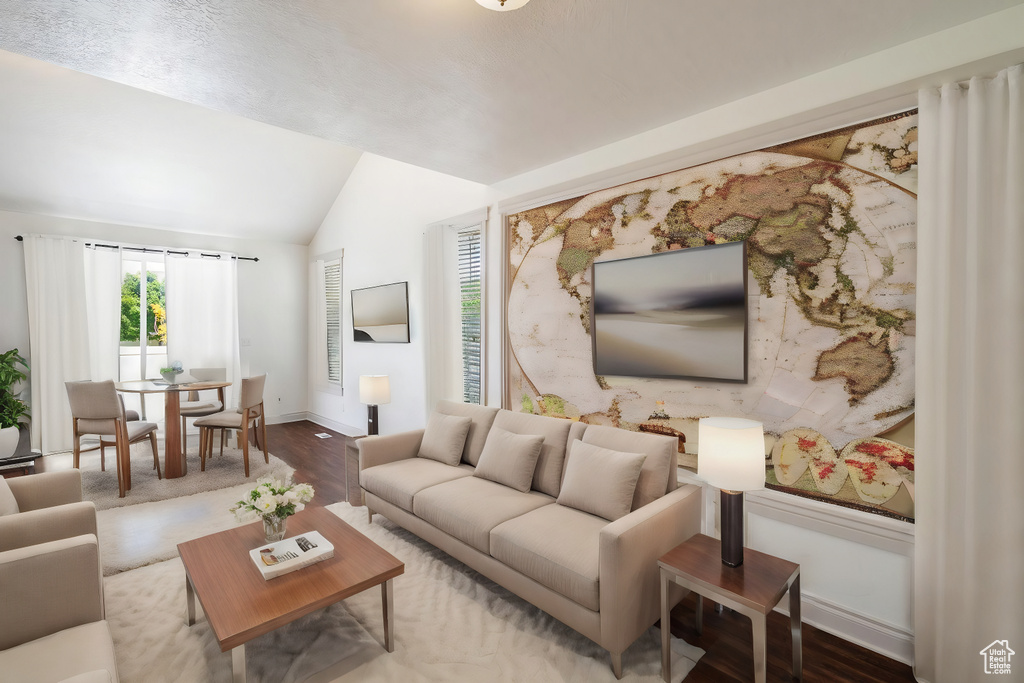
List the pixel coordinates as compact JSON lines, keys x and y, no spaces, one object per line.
{"x":119,"y":448}
{"x":77,"y":451}
{"x":245,"y":446}
{"x":184,"y":438}
{"x":223,"y":437}
{"x":266,"y":448}
{"x":103,"y":457}
{"x":202,"y":448}
{"x":156,"y":456}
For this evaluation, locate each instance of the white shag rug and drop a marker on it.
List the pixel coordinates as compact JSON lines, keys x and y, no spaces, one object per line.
{"x":221,"y":472}
{"x":451,"y":624}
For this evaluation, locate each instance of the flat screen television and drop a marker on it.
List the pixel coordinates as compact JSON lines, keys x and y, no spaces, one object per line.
{"x":674,"y":314}
{"x":381,"y":314}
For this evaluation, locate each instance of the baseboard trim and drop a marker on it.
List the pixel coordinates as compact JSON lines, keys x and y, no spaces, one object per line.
{"x":881,"y":637}
{"x":287,"y":417}
{"x":341,"y":428}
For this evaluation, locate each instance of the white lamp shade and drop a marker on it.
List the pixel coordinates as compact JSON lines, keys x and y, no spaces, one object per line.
{"x":498,"y":6}
{"x":374,"y":389}
{"x":730,"y":453}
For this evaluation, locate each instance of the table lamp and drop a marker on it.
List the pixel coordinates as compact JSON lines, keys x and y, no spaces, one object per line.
{"x":373,"y":391}
{"x":730,"y":457}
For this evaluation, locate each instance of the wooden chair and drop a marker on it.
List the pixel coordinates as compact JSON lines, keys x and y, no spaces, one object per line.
{"x":97,"y":409}
{"x":250,"y":411}
{"x":193,"y":406}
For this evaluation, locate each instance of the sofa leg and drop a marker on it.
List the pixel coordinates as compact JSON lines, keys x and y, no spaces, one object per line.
{"x":369,"y":515}
{"x":616,"y":664}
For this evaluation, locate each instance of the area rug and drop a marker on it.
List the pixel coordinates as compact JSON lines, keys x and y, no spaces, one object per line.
{"x":221,"y":472}
{"x":451,"y":624}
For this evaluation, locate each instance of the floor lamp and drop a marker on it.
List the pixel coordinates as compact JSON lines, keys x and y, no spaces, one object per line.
{"x":730,"y":457}
{"x":374,"y":390}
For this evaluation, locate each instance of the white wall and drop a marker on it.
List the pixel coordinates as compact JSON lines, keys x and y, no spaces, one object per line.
{"x":272,"y":297}
{"x":857,"y":571}
{"x":379,"y":219}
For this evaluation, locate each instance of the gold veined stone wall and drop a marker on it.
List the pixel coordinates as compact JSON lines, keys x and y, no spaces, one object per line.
{"x":831,"y":228}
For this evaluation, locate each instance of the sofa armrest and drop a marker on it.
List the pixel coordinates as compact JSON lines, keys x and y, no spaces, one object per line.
{"x":378,"y":450}
{"x":629,"y":551}
{"x":46,"y":489}
{"x":47,"y":524}
{"x":49,"y":587}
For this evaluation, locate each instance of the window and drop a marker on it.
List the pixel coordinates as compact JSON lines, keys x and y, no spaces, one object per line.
{"x":470,"y":289}
{"x":143,"y":347}
{"x":332,"y":314}
{"x":456,"y":312}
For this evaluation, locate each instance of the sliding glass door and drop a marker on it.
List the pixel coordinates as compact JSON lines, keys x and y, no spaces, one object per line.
{"x":143,"y":349}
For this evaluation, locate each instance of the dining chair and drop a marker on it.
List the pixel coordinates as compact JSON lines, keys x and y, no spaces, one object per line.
{"x":249,"y":412}
{"x":98,"y":410}
{"x":196,"y":407}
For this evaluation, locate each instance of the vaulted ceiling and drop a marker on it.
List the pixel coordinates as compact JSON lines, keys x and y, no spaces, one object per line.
{"x":247,"y":116}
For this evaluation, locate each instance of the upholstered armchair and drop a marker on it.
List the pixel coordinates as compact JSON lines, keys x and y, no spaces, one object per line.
{"x":46,"y":507}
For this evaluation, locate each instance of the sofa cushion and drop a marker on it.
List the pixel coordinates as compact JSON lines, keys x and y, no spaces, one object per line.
{"x":61,"y":655}
{"x":600,"y":481}
{"x":444,"y":438}
{"x":397,"y":482}
{"x":482,"y":417}
{"x":469,"y":508}
{"x":8,"y":503}
{"x":97,"y":676}
{"x":555,"y":546}
{"x":548,"y":475}
{"x":659,"y":466}
{"x":509,"y":459}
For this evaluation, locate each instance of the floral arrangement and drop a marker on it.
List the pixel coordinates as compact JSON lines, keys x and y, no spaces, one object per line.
{"x":176,"y":367}
{"x":273,"y":499}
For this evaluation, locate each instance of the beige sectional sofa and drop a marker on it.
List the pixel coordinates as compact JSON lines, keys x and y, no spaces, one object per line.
{"x":571,"y":517}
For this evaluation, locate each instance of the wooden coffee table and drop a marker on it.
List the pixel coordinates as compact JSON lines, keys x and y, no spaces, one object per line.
{"x":240,"y":605}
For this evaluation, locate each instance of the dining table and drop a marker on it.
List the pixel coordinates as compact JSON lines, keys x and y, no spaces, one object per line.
{"x":175,"y":464}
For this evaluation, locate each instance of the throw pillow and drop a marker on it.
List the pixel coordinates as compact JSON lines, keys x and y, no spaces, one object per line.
{"x":444,"y":438}
{"x":509,"y":458}
{"x":600,"y":481}
{"x":8,"y":503}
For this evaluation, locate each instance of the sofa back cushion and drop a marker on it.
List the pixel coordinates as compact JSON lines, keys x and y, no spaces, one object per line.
{"x":481,"y":419}
{"x":600,"y":481}
{"x":444,"y":438}
{"x":658,"y":475}
{"x":509,"y":459}
{"x":548,"y":476}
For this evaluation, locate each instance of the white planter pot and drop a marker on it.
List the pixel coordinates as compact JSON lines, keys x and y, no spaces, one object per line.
{"x":9,"y":437}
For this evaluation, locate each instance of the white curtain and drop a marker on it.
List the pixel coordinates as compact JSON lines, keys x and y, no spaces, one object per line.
{"x":969,"y":558}
{"x":202,"y":314}
{"x":73,"y":315}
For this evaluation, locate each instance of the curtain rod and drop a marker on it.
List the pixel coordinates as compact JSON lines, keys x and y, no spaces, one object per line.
{"x":147,"y":250}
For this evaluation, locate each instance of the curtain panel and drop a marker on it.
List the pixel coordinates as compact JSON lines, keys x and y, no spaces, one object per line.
{"x":202,"y":314}
{"x":74,"y":309}
{"x":969,"y":550}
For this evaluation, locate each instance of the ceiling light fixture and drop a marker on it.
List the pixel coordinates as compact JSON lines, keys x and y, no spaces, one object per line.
{"x":502,"y":5}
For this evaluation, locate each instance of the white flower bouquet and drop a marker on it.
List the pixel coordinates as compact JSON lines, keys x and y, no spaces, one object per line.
{"x":273,"y":499}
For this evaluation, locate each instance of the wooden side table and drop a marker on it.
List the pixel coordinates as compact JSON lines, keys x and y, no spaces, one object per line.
{"x":752,"y":589}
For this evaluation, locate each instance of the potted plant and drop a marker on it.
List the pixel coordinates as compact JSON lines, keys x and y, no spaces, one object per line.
{"x":13,"y":410}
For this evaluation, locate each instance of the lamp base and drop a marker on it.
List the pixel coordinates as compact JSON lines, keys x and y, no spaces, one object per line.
{"x":371,"y":420}
{"x":732,"y":527}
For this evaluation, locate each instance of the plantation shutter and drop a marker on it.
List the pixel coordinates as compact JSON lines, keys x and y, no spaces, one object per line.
{"x":332,"y":299}
{"x":470,"y":289}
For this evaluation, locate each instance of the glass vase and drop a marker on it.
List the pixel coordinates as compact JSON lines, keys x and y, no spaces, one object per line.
{"x":274,"y":528}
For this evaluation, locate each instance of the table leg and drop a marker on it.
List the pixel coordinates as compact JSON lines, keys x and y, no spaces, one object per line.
{"x":699,"y":617}
{"x":388,"y":599}
{"x":666,"y":627}
{"x":760,"y":622}
{"x":190,"y":602}
{"x":238,"y":664}
{"x":795,"y":629}
{"x":174,"y":461}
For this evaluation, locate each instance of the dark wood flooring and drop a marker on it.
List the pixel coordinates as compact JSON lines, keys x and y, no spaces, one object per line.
{"x":726,"y":637}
